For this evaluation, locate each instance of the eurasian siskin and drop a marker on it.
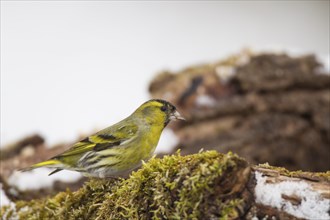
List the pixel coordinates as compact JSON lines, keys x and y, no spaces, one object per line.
{"x":119,"y":148}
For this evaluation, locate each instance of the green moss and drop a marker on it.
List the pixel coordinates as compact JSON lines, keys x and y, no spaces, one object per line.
{"x":174,"y":187}
{"x":323,"y":176}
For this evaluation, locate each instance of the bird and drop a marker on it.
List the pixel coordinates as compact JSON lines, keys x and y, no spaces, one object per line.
{"x":117,"y":149}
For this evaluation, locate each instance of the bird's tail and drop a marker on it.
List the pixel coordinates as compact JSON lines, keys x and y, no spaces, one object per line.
{"x":52,"y":163}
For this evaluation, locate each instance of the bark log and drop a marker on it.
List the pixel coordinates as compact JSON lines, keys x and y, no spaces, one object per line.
{"x":207,"y":185}
{"x":267,"y":108}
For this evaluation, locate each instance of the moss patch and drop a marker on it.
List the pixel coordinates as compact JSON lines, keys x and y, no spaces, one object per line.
{"x":316,"y":176}
{"x":205,"y":185}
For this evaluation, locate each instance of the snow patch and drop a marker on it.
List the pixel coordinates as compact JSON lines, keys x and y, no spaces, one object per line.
{"x":325,"y":61}
{"x":4,"y":200}
{"x":225,"y":73}
{"x":312,"y":205}
{"x":168,"y":140}
{"x":205,"y":101}
{"x":9,"y":210}
{"x":37,"y":179}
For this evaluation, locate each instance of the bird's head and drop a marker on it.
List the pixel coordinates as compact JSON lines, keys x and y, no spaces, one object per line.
{"x":158,"y":111}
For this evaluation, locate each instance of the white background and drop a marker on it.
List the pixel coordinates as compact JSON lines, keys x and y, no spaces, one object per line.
{"x":73,"y":66}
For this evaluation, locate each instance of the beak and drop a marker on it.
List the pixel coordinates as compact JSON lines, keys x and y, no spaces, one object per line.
{"x":176,"y":116}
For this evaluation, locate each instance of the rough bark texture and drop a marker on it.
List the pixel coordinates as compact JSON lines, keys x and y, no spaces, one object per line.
{"x":267,"y":108}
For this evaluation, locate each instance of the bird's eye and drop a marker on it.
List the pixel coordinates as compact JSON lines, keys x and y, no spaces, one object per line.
{"x":163,"y":108}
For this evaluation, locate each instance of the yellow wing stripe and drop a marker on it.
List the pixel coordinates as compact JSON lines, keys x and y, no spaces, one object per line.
{"x":46,"y":163}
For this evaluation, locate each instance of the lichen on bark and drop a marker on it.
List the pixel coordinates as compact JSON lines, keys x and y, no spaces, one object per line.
{"x":206,"y":185}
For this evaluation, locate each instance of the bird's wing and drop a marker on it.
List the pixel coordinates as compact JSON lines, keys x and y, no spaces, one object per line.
{"x":104,"y":139}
